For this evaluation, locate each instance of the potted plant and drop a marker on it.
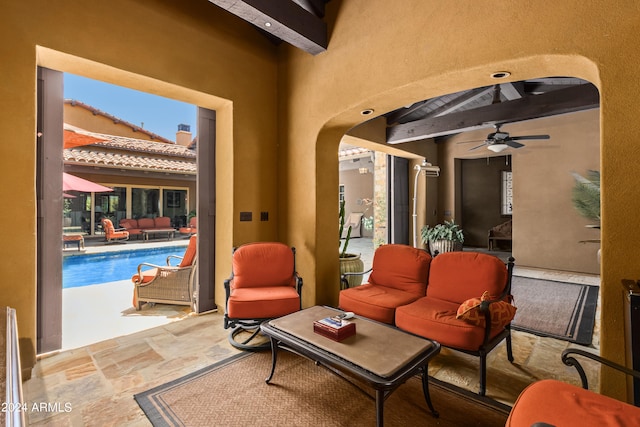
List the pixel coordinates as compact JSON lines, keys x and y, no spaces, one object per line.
{"x":586,"y":199}
{"x":66,"y":212}
{"x":446,"y":237}
{"x":349,"y":263}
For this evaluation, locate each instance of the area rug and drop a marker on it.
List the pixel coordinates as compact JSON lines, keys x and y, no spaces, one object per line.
{"x":233,"y":393}
{"x":559,"y":310}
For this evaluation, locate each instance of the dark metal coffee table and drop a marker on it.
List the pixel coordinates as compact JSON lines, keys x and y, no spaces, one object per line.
{"x":379,"y":354}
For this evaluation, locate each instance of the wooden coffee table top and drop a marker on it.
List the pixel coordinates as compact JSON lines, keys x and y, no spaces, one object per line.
{"x":377,"y":348}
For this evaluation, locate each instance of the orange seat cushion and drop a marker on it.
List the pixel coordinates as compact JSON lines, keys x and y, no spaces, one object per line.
{"x":401,"y":267}
{"x":263,"y":265}
{"x":190,"y":254}
{"x":560,"y":404}
{"x":146,"y":223}
{"x":374,"y":302}
{"x":263,"y":302}
{"x":147,"y":276}
{"x":436,"y":319}
{"x":458,"y":276}
{"x":162,"y":222}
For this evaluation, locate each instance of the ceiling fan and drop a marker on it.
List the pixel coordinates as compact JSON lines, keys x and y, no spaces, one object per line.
{"x":500,"y":140}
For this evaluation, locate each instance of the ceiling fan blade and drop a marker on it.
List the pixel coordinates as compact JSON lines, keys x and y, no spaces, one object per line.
{"x":475,"y":148}
{"x":469,"y":142}
{"x":511,"y":143}
{"x":523,"y":137}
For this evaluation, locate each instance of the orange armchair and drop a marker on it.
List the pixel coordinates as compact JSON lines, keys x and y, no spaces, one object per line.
{"x":453,"y":311}
{"x":192,"y":228}
{"x":398,"y":276}
{"x":112,"y":234}
{"x":263,"y":285}
{"x":555,"y":403}
{"x":168,"y":284}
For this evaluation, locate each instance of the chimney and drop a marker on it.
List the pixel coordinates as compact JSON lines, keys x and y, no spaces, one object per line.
{"x":183,"y":136}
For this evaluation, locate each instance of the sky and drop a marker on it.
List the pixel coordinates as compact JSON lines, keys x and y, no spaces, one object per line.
{"x":151,"y":112}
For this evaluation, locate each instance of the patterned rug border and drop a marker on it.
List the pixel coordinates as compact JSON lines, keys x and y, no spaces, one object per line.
{"x":584,"y":334}
{"x":150,"y":401}
{"x":157,"y":411}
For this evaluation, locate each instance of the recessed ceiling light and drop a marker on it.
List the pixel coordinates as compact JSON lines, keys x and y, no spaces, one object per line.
{"x":367,"y":111}
{"x":267,"y":24}
{"x":500,"y":74}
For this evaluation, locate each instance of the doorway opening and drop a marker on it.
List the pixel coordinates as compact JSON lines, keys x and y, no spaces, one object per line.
{"x":148,"y":175}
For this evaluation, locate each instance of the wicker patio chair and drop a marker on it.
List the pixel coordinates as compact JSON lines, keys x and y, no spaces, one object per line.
{"x":167,"y":284}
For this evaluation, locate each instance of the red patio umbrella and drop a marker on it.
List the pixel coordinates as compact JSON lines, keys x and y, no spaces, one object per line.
{"x":74,"y":183}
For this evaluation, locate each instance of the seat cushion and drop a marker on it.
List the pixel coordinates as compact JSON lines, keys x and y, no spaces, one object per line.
{"x":401,"y":267}
{"x":263,"y":264}
{"x":129,"y":224}
{"x":374,"y":302}
{"x":146,"y":223}
{"x":459,"y":276}
{"x":560,"y":404}
{"x":147,"y":276}
{"x":263,"y":302}
{"x":436,"y":319}
{"x":190,"y":253}
{"x":162,"y":222}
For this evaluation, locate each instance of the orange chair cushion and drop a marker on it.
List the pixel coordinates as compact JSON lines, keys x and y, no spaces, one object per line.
{"x":190,"y":253}
{"x":162,"y":222}
{"x":262,"y":303}
{"x":146,"y":223}
{"x":128,"y":223}
{"x":501,"y":312}
{"x":374,"y":302}
{"x":459,"y":276}
{"x":560,"y":404}
{"x":401,"y":267}
{"x":263,"y":264}
{"x":436,"y":319}
{"x":147,"y":276}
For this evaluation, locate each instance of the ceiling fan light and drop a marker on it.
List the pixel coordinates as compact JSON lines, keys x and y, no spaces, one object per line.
{"x":496,"y":148}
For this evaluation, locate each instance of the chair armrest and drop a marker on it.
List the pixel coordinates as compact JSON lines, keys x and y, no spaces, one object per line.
{"x":569,"y":360}
{"x":344,"y":283}
{"x":173,"y":256}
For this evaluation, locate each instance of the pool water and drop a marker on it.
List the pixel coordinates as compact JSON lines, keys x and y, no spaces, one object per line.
{"x":92,"y":269}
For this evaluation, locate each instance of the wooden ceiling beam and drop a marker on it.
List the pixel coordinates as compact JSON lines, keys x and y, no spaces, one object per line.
{"x":577,"y":98}
{"x":284,"y":19}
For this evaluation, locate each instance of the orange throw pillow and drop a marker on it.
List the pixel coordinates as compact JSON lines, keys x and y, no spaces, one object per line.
{"x":501,"y":312}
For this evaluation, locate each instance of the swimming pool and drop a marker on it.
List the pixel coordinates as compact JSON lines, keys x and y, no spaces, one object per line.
{"x":92,"y":269}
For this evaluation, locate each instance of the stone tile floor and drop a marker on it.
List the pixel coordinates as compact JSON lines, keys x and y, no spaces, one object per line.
{"x":94,"y":384}
{"x":97,"y":382}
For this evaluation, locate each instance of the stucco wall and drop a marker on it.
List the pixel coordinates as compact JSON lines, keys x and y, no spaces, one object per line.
{"x":547,"y":230}
{"x":197,"y":54}
{"x":383,"y":58}
{"x":285,"y":112}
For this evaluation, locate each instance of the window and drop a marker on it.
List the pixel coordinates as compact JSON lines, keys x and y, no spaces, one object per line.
{"x":507,"y":193}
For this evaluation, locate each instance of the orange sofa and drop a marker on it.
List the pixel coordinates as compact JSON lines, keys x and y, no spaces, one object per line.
{"x":460,"y":299}
{"x":136,"y":226}
{"x":398,"y":277}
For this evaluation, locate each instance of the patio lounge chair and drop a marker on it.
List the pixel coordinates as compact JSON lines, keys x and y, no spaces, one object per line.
{"x":263,"y":285}
{"x":167,"y":284}
{"x":112,"y":234}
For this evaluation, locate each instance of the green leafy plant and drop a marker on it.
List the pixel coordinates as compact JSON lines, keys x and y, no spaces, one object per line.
{"x":447,"y":231}
{"x":586,"y":195}
{"x":343,"y":250}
